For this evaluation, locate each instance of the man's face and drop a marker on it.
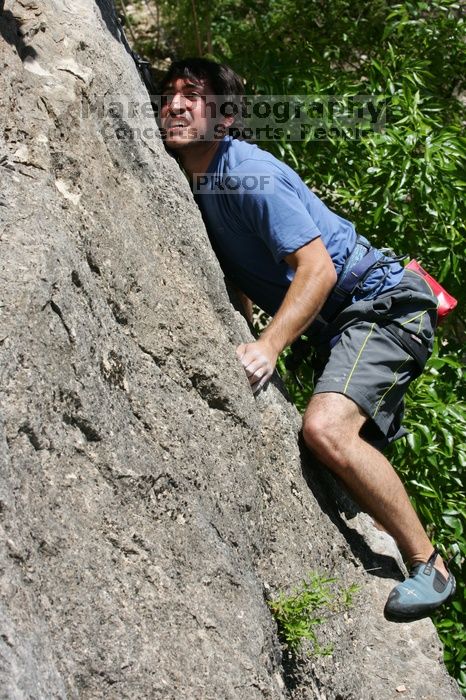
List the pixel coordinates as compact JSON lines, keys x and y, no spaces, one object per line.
{"x":188,"y":114}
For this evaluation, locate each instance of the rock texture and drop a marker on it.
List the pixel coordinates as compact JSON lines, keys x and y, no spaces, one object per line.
{"x":149,"y":504}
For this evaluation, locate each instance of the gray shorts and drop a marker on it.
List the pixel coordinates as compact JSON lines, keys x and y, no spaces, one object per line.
{"x":372,"y":366}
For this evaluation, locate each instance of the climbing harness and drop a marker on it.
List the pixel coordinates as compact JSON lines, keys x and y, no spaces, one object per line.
{"x":362,"y":259}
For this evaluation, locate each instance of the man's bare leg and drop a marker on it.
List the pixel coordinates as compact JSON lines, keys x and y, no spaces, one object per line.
{"x":331,"y":428}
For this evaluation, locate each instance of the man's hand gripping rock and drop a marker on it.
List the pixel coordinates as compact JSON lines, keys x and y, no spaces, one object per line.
{"x":259,"y":360}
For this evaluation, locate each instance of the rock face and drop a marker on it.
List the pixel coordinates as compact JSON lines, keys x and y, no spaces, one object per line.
{"x":149,"y":504}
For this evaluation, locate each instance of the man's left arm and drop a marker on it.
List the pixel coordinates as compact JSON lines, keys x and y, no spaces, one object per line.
{"x":312,"y":283}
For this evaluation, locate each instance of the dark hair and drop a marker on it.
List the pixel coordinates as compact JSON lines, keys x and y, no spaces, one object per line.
{"x":222,"y":79}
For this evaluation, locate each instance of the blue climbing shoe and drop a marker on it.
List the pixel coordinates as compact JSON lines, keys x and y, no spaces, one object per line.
{"x":423,"y":592}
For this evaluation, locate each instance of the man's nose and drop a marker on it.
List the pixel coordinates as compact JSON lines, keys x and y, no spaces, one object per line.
{"x":177,"y":104}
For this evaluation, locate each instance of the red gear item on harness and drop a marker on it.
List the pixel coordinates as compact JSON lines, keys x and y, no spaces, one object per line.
{"x":446,"y":302}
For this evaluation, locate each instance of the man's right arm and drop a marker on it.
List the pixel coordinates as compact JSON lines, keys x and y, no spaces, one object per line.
{"x":314,"y":279}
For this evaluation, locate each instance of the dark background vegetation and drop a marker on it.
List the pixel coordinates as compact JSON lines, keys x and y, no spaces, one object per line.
{"x":403,"y":187}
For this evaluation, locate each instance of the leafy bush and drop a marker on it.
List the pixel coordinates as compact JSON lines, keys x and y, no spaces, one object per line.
{"x":401,"y":187}
{"x":433,"y":463}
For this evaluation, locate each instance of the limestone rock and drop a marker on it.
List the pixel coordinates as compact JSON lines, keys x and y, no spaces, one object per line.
{"x":149,"y":504}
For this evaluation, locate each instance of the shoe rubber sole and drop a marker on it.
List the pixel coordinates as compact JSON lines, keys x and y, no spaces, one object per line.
{"x":421,"y":614}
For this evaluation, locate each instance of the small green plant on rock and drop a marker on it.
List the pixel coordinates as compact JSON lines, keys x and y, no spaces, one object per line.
{"x":309,"y":605}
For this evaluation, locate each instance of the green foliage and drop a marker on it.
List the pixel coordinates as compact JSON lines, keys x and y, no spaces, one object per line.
{"x":402,"y":187}
{"x":309,"y":605}
{"x":433,"y":461}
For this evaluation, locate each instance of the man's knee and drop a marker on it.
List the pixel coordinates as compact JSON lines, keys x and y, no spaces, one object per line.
{"x":328,"y":439}
{"x":319,"y":435}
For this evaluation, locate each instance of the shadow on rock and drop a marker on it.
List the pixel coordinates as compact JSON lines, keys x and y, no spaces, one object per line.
{"x":10,"y":31}
{"x":107,"y":10}
{"x":334,"y":501}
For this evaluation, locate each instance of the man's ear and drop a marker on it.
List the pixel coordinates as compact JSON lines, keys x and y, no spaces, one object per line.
{"x":222,"y":127}
{"x":228,"y":120}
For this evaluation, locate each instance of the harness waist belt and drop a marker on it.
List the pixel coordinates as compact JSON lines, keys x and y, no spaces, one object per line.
{"x":361,"y":259}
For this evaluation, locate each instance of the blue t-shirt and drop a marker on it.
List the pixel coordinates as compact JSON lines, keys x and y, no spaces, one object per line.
{"x":257,"y":210}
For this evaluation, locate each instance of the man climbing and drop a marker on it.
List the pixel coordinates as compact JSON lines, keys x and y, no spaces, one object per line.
{"x":371,"y":321}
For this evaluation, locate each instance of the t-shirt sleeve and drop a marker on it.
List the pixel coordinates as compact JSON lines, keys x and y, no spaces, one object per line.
{"x":272,"y":210}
